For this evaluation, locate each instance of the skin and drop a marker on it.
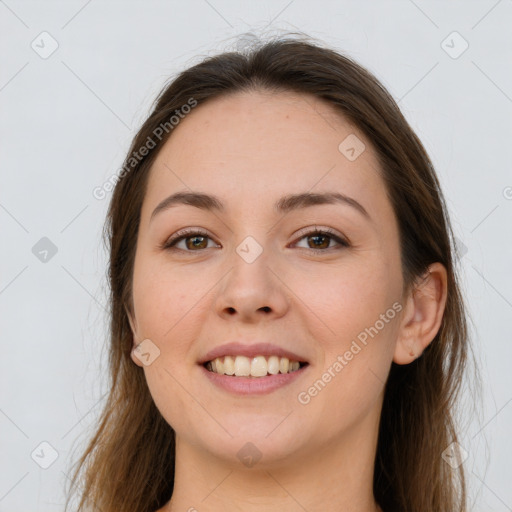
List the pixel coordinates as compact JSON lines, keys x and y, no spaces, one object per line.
{"x":250,"y":149}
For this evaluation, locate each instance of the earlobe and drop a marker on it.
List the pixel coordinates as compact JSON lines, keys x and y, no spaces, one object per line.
{"x":422,"y":316}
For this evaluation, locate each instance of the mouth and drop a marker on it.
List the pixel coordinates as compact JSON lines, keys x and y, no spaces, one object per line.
{"x":257,"y":367}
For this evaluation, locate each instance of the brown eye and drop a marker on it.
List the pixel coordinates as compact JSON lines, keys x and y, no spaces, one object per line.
{"x":196,"y":242}
{"x":321,"y":240}
{"x":193,"y":241}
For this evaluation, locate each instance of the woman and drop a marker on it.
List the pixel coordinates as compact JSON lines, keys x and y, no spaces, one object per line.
{"x":287,"y":331}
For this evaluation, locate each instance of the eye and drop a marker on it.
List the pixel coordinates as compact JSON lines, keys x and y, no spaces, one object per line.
{"x":198,"y":239}
{"x":193,"y":239}
{"x":321,"y":239}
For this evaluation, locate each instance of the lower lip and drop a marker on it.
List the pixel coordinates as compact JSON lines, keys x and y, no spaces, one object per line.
{"x":253,"y":385}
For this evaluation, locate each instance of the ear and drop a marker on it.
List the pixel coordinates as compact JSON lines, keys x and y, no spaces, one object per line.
{"x":133,"y":326}
{"x":422,"y":315}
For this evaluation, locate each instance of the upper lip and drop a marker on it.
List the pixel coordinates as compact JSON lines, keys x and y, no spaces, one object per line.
{"x":236,"y":348}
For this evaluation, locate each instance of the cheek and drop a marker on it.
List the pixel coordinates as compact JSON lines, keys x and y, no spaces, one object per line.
{"x":346,"y":299}
{"x":356,"y":346}
{"x":165,"y":300}
{"x":167,"y":305}
{"x":352,"y":312}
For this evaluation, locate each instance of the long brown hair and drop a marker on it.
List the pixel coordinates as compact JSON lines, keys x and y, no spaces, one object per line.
{"x":128,"y":464}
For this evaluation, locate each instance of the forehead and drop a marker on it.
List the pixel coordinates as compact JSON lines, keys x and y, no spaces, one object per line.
{"x":250,"y":146}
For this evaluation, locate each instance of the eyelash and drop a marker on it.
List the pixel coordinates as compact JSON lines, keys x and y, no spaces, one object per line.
{"x":190,"y":232}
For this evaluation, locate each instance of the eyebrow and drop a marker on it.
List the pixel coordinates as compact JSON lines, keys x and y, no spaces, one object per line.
{"x":284,"y":205}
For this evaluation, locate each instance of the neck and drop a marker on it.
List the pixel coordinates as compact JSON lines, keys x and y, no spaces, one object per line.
{"x":335,"y":477}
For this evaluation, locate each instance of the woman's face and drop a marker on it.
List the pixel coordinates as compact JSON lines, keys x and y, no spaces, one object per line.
{"x":259,"y":272}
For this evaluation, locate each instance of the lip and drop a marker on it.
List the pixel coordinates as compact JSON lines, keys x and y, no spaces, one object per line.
{"x":254,"y":349}
{"x":253,"y":385}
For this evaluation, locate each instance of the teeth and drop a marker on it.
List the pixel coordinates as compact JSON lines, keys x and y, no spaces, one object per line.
{"x":219,"y":366}
{"x":258,"y":366}
{"x":242,"y":366}
{"x":229,"y":365}
{"x":273,"y":365}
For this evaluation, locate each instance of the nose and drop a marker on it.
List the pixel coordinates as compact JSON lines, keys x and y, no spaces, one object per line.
{"x":251,"y":292}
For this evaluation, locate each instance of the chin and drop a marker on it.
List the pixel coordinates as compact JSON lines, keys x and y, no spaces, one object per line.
{"x":263,"y":443}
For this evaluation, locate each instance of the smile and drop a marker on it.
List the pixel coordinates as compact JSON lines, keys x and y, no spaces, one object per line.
{"x":259,"y":366}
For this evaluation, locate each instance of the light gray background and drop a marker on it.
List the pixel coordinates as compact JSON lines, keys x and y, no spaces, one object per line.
{"x":66,"y":124}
